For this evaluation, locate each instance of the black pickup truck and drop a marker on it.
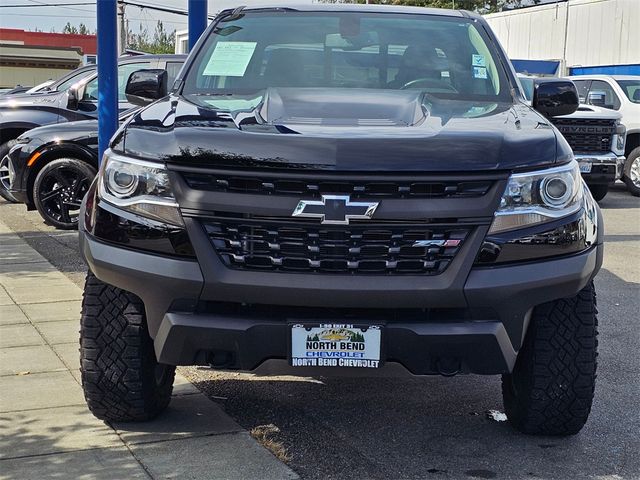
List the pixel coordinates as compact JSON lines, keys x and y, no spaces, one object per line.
{"x":343,"y":190}
{"x":73,"y":98}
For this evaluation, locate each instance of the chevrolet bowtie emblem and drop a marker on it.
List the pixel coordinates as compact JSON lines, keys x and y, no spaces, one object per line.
{"x":335,"y":209}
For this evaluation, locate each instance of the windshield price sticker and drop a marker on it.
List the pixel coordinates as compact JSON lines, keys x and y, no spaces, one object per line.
{"x":478,"y":61}
{"x":333,"y":345}
{"x":230,"y":59}
{"x":479,"y":72}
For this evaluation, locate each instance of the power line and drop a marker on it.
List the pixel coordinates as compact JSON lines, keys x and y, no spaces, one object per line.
{"x":47,"y":5}
{"x":66,"y":7}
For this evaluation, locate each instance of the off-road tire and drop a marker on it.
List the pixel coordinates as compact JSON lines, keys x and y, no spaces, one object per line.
{"x":4,"y":150}
{"x":121,"y":379}
{"x":551,"y":388}
{"x":598,"y":192}
{"x":634,"y":156}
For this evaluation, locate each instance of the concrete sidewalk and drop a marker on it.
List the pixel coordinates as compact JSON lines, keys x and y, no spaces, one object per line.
{"x":46,"y":428}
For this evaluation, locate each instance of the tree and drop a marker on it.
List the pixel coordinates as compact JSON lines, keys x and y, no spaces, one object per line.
{"x":481,"y":6}
{"x":81,"y":29}
{"x":161,"y":41}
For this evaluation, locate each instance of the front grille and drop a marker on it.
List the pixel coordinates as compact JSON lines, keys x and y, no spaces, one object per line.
{"x":587,"y":135}
{"x":356,"y":188}
{"x":283,"y":246}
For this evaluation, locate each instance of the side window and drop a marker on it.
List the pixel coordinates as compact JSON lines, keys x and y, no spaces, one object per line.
{"x":583,"y":88}
{"x":172,"y":68}
{"x":91,"y":90}
{"x":601,"y":94}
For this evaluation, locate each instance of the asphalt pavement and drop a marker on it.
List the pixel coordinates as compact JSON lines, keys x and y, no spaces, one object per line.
{"x":433,"y":427}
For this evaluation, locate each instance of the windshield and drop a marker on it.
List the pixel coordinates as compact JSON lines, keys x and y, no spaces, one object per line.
{"x":527,"y":85}
{"x":71,"y":80}
{"x":631,"y":89}
{"x":445,"y":57}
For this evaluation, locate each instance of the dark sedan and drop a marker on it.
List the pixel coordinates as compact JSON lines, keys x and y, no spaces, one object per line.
{"x":51,"y":167}
{"x":61,"y":103}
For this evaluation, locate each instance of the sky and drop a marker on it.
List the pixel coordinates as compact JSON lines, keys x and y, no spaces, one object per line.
{"x":45,"y":18}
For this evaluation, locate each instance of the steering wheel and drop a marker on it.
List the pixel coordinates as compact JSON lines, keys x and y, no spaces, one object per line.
{"x":428,"y":82}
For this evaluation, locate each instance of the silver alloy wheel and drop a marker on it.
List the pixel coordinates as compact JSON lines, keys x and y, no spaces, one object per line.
{"x":634,"y":172}
{"x":5,"y":179}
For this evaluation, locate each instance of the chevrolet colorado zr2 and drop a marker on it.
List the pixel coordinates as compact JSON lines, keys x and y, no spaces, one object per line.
{"x":343,"y":190}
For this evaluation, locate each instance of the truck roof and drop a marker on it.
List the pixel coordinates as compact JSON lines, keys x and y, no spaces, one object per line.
{"x":601,"y":76}
{"x":350,"y":7}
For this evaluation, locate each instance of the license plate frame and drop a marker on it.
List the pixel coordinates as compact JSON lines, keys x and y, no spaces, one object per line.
{"x":585,"y":167}
{"x":335,"y":345}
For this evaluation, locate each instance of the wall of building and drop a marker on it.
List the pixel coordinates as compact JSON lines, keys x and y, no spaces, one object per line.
{"x":86,"y":43}
{"x":28,"y":76}
{"x":28,"y":66}
{"x":579,"y":33}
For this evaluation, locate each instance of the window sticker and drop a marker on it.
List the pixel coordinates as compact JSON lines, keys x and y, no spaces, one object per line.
{"x":479,"y":72}
{"x":478,"y":61}
{"x":230,"y":59}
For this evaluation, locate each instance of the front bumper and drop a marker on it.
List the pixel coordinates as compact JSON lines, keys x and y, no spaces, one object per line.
{"x":18,"y":181}
{"x":605,"y":168}
{"x":476,"y":328}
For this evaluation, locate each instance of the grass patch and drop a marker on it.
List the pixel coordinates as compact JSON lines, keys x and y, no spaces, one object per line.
{"x":264,"y":435}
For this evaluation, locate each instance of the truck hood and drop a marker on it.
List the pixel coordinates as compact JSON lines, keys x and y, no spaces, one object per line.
{"x":44,"y":99}
{"x":591,"y":111}
{"x":347,"y":131}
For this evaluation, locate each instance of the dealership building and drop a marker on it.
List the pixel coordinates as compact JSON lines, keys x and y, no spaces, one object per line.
{"x":29,"y":58}
{"x":572,"y":37}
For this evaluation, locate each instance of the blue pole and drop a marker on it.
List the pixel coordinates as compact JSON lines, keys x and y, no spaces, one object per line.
{"x":107,"y":73}
{"x":197,"y":20}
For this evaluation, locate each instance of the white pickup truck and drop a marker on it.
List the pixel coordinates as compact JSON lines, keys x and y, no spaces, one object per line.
{"x":619,"y":93}
{"x":597,"y":138}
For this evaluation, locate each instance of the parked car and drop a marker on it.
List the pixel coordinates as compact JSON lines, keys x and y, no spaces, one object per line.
{"x":46,"y":85}
{"x":309,"y":200}
{"x":51,"y":168}
{"x":75,"y":98}
{"x":15,"y":90}
{"x":622,"y":94}
{"x":597,"y":138}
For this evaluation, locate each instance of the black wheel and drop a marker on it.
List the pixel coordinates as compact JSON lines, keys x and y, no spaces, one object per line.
{"x":598,"y":191}
{"x":58,"y":191}
{"x":551,"y":388}
{"x":632,"y":172}
{"x":4,"y":172}
{"x":121,"y":379}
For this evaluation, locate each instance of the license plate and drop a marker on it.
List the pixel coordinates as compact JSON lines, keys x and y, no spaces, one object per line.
{"x":335,"y":345}
{"x":585,"y":168}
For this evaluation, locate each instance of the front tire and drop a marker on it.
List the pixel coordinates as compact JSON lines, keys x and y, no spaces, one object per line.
{"x":632,"y":172}
{"x":121,"y":379}
{"x":551,"y":388}
{"x":4,"y":172}
{"x":598,"y":192}
{"x":58,"y":191}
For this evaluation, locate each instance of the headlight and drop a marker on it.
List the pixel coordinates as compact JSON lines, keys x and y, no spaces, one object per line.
{"x":139,"y":187}
{"x":538,"y":197}
{"x":619,"y":139}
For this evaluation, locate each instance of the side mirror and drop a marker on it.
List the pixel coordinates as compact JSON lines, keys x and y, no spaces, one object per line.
{"x":145,"y":86}
{"x":597,"y":99}
{"x":554,"y":97}
{"x":73,"y":97}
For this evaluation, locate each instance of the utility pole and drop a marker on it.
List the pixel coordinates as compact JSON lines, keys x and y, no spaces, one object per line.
{"x":122,"y":29}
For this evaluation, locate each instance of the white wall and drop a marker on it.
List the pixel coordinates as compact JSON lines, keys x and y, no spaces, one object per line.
{"x":577,"y":32}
